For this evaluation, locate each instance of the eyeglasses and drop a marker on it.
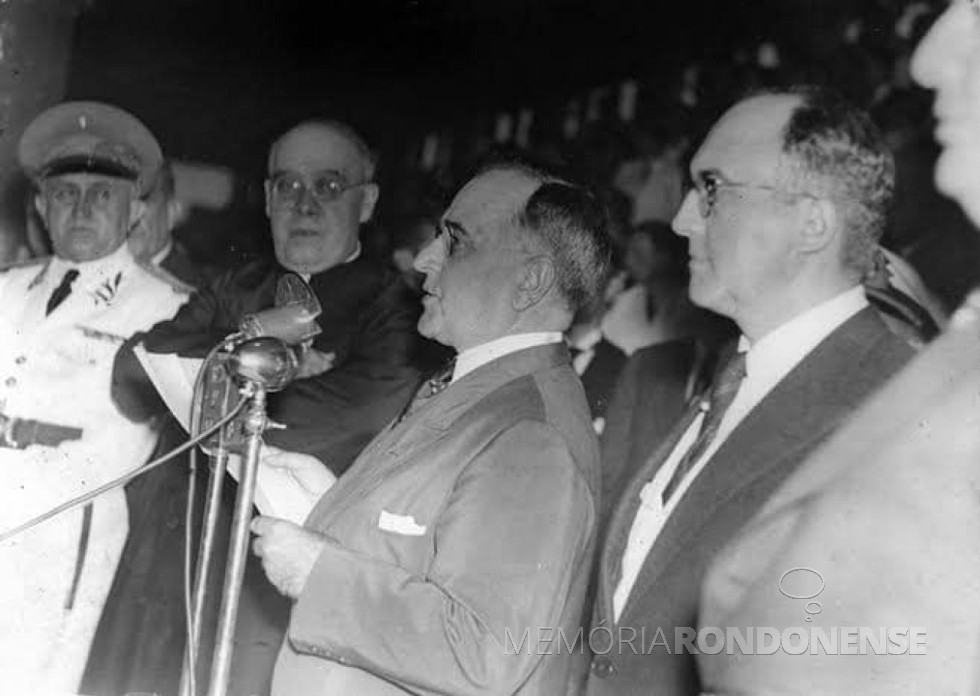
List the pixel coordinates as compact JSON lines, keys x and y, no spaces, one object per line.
{"x":99,"y":195}
{"x":708,"y":185}
{"x":289,"y":188}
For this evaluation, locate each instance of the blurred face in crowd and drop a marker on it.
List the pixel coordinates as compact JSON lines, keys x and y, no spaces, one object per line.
{"x":738,"y":219}
{"x":153,"y":233}
{"x":948,"y":61}
{"x":87,"y":215}
{"x":317,"y":196}
{"x":643,"y":259}
{"x":473,"y":267}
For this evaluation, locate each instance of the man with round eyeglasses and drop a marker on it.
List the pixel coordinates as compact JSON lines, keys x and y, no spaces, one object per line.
{"x":887,"y":512}
{"x":790,"y":190}
{"x":358,"y":374}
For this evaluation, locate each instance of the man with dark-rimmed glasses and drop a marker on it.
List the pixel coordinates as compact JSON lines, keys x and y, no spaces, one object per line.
{"x":787,"y":205}
{"x":358,"y":374}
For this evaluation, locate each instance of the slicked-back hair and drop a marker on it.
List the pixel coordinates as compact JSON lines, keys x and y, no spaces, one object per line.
{"x":569,"y":223}
{"x":841,"y":154}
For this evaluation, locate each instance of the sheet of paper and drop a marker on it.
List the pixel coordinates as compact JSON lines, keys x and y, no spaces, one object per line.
{"x":283,"y":489}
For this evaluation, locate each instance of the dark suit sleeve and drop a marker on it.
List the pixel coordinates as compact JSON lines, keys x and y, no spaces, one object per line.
{"x":198,"y":326}
{"x":335,"y":414}
{"x":191,"y":333}
{"x":616,"y":437}
{"x":506,"y":545}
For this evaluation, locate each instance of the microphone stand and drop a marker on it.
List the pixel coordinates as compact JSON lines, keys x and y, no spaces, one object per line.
{"x":265,"y":364}
{"x":255,"y":424}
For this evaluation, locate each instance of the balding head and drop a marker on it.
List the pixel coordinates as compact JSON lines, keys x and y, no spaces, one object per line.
{"x":318,"y":193}
{"x":311,"y":137}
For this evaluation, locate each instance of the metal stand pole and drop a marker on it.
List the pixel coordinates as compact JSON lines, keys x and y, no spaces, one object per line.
{"x":255,"y":422}
{"x":212,"y":508}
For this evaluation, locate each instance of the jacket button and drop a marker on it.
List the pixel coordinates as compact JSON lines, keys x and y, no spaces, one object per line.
{"x":603,"y":667}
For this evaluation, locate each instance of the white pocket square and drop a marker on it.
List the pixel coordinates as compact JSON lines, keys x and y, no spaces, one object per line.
{"x":400,"y":524}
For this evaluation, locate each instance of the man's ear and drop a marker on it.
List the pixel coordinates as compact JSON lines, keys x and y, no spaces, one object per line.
{"x":177,"y":213}
{"x":267,"y":185}
{"x":821,"y":224}
{"x":369,"y":200}
{"x":537,"y":277}
{"x":41,"y":206}
{"x":137,"y":209}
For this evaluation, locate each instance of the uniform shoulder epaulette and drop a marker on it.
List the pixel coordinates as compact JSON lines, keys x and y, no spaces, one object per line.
{"x":167,"y":277}
{"x":26,"y":263}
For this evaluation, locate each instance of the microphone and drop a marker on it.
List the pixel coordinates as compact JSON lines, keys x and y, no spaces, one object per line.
{"x":266,"y":351}
{"x":266,"y":361}
{"x":292,"y":319}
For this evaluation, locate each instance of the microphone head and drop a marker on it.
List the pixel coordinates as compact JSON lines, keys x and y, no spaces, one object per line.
{"x":293,"y":319}
{"x":266,"y":361}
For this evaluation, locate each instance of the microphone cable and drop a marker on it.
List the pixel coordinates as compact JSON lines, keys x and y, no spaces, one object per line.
{"x":122,"y":480}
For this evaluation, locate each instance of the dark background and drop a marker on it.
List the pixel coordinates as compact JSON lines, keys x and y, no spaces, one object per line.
{"x":218,"y":80}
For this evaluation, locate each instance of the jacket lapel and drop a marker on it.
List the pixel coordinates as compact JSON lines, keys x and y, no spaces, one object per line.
{"x":625,"y":512}
{"x":394,"y":447}
{"x":799,"y":412}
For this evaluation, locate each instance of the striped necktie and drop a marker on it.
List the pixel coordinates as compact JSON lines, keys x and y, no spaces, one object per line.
{"x":723,"y":391}
{"x":430,"y":388}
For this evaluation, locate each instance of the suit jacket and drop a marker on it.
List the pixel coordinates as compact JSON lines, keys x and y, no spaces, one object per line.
{"x":458,"y":530}
{"x":649,"y":398}
{"x":888,"y":513}
{"x":600,"y":376}
{"x":368,"y":321}
{"x":774,"y":437}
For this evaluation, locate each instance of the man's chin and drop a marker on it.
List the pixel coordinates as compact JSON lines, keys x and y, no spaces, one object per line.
{"x":428,"y":327}
{"x":957,"y":178}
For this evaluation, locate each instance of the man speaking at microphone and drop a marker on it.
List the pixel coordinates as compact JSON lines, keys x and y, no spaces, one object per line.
{"x":468,"y":523}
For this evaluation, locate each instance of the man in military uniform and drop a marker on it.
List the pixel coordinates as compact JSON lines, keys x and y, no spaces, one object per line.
{"x":62,"y":320}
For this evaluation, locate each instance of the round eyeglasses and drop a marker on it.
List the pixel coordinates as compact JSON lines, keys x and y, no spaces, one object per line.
{"x":708,"y":185}
{"x":289,"y":188}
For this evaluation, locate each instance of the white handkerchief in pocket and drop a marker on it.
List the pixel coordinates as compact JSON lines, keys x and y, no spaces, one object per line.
{"x":400,"y":524}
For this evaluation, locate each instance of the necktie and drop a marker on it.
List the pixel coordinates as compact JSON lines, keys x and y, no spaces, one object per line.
{"x":62,"y":291}
{"x":430,"y":388}
{"x":723,"y":391}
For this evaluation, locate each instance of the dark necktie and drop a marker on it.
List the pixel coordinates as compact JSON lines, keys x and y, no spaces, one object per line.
{"x":430,"y":388}
{"x":62,"y":291}
{"x":722,"y":393}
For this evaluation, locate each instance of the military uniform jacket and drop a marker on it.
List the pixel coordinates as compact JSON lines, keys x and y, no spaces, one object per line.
{"x":57,"y":368}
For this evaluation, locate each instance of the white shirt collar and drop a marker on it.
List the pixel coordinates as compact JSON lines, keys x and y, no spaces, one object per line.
{"x":588,"y":340}
{"x":772,"y":357}
{"x":477,"y":356}
{"x":92,"y":274}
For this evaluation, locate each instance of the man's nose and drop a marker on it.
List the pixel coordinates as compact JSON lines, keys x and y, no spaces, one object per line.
{"x":688,"y":219}
{"x":307,"y":204}
{"x":935,"y":59}
{"x":84,"y":205}
{"x":429,"y":258}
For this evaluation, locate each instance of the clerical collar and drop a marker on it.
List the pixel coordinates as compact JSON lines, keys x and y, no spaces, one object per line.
{"x":353,"y":257}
